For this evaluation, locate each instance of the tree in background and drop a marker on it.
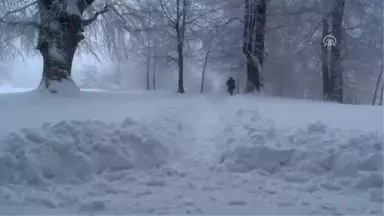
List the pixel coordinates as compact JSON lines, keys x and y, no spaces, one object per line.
{"x":185,"y":18}
{"x":59,"y":26}
{"x":281,"y":40}
{"x":332,"y":61}
{"x":254,"y":32}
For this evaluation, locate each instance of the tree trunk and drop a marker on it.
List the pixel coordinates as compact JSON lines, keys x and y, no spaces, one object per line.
{"x":148,"y":66}
{"x":238,"y":83}
{"x":381,"y":95}
{"x":181,"y":10}
{"x":203,"y":74}
{"x":324,"y":62}
{"x":154,"y":66}
{"x":253,"y":48}
{"x":378,"y":84}
{"x":261,"y":18}
{"x":247,"y":46}
{"x":154,"y":74}
{"x":206,"y":62}
{"x":336,"y":61}
{"x":59,"y":36}
{"x":180,"y":59}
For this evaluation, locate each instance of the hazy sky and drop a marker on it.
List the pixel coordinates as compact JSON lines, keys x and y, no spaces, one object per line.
{"x":27,"y":73}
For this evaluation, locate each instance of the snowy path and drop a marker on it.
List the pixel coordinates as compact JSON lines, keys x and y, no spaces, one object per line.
{"x":203,"y":120}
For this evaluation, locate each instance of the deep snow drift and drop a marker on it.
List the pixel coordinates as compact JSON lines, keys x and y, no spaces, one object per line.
{"x":163,"y":153}
{"x":76,"y":151}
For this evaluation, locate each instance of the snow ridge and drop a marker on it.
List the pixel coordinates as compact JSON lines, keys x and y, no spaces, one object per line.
{"x":186,"y":155}
{"x":315,"y":158}
{"x":76,"y":151}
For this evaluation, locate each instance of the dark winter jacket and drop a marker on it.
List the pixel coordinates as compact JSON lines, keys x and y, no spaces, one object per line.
{"x":231,"y":83}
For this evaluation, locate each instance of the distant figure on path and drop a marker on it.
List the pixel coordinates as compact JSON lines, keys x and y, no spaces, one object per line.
{"x":231,"y":85}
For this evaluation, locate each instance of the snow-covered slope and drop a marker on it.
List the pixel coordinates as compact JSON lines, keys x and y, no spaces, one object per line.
{"x":163,"y":153}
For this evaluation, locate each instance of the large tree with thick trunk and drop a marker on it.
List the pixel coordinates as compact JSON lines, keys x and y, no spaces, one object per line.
{"x":332,"y":59}
{"x":59,"y":25}
{"x":253,"y":48}
{"x":59,"y":33}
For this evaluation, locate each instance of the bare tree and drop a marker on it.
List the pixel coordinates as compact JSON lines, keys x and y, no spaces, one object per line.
{"x":325,"y":55}
{"x":59,"y":26}
{"x":211,"y":37}
{"x":154,"y":64}
{"x":381,"y":95}
{"x":336,"y":71}
{"x":331,"y":59}
{"x":148,"y":66}
{"x":282,"y":55}
{"x":253,"y":48}
{"x":176,"y":12}
{"x":178,"y":23}
{"x":379,"y":80}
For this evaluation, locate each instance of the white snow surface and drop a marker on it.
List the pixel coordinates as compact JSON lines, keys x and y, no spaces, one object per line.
{"x":64,"y":88}
{"x":164,"y":153}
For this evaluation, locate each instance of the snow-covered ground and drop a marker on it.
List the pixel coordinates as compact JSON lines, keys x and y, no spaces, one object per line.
{"x":164,"y":153}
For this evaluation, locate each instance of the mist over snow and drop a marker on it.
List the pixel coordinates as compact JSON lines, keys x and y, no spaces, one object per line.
{"x":91,"y":73}
{"x":26,"y":72}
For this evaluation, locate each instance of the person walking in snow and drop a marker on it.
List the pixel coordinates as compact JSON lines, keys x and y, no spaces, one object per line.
{"x":231,"y":85}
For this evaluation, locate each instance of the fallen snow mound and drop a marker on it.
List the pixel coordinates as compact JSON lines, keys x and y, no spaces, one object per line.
{"x":76,"y":151}
{"x":316,"y":156}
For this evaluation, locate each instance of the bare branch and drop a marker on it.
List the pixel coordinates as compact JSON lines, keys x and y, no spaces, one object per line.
{"x":7,"y":15}
{"x":18,"y":10}
{"x":167,"y":13}
{"x":97,"y":14}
